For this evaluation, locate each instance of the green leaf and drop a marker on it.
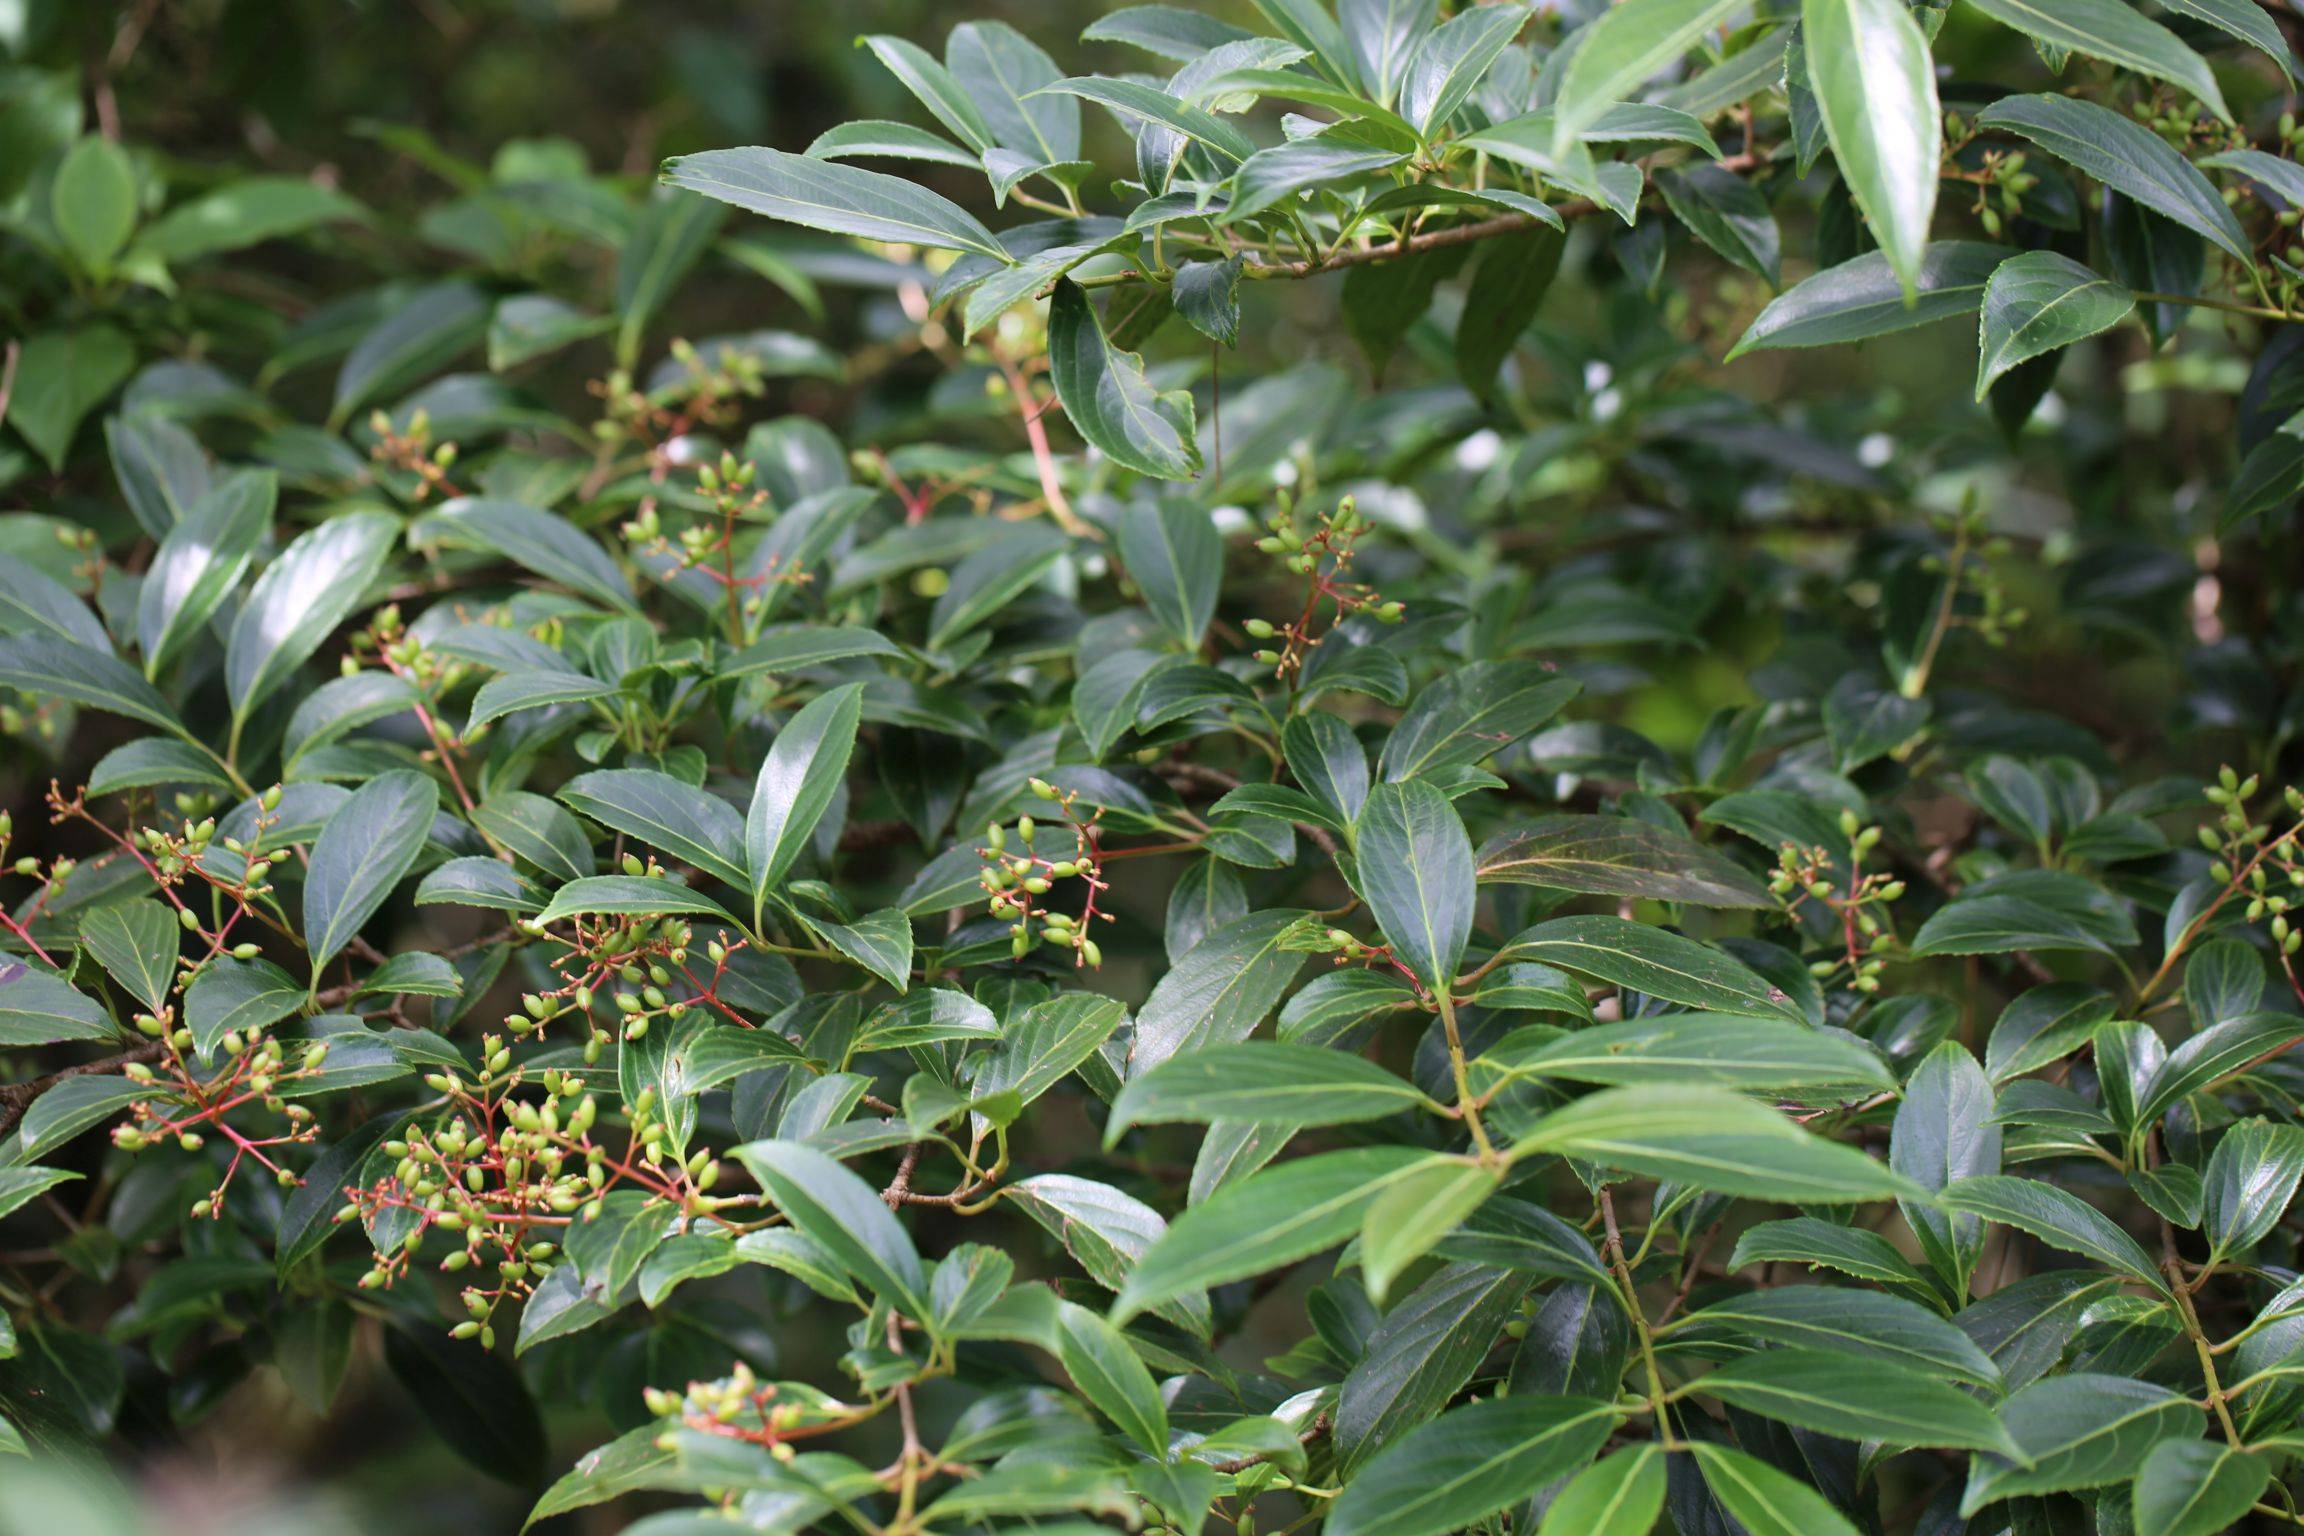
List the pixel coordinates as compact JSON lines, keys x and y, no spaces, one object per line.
{"x":1860,"y":1398}
{"x":1472,"y":713}
{"x":1107,"y":1232}
{"x":1875,"y":86}
{"x":59,"y":669}
{"x":2214,"y":1054}
{"x":613,"y":1238}
{"x":1764,"y":1501}
{"x":136,"y":942}
{"x":2127,"y":157}
{"x":1864,"y":298}
{"x":2080,"y":1430}
{"x":1507,"y":289}
{"x":93,"y":201}
{"x":2197,"y":1488}
{"x":843,"y":1214}
{"x":1452,"y":60}
{"x":1656,"y":961}
{"x":1627,"y":46}
{"x":1051,"y":1039}
{"x":1219,"y":991}
{"x":1108,"y":1373}
{"x":2106,"y":29}
{"x":787,"y":648}
{"x":1262,"y":1083}
{"x":1765,"y":1056}
{"x":633,"y":1461}
{"x":1468,"y":1464}
{"x":245,"y":211}
{"x":667,"y":239}
{"x":1003,"y":72}
{"x":2057,"y":1218}
{"x":365,"y":849}
{"x":1415,"y":869}
{"x":2037,"y":909}
{"x":2044,"y":1025}
{"x":630,"y":895}
{"x":1843,"y":1320}
{"x":1383,"y":35}
{"x":19,"y":1187}
{"x":1176,"y":559}
{"x":2040,"y":302}
{"x":302,"y":596}
{"x":69,"y":1108}
{"x":1850,"y":1250}
{"x":1423,"y":1353}
{"x":1619,"y":1495}
{"x":512,"y":692}
{"x":540,"y":541}
{"x":797,"y":780}
{"x":1207,"y":295}
{"x":1728,"y":214}
{"x":414,"y":973}
{"x":475,"y":1400}
{"x":1617,"y":856}
{"x":1269,"y":1219}
{"x":60,"y":377}
{"x":200,"y":562}
{"x":836,"y":198}
{"x":1413,"y":1216}
{"x":539,"y":832}
{"x":933,"y":86}
{"x":1108,"y":399}
{"x":991,"y":578}
{"x":32,"y":602}
{"x":39,"y":1009}
{"x":1133,"y":100}
{"x":712,"y":1054}
{"x":1944,"y":1133}
{"x":1710,"y":1139}
{"x":417,"y":337}
{"x":1276,"y":175}
{"x":880,"y":942}
{"x":688,"y":823}
{"x":2252,"y":1175}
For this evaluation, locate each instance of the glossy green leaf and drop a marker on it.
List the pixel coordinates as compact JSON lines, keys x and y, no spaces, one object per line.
{"x":1263,"y":1083}
{"x":1875,"y":83}
{"x":366,"y":848}
{"x":1713,"y":1140}
{"x":1656,"y":961}
{"x":797,"y":780}
{"x":2038,"y":303}
{"x":2081,"y":1430}
{"x":1468,"y":1464}
{"x":300,"y":598}
{"x":1109,"y":400}
{"x":845,"y":1216}
{"x":1626,"y":47}
{"x":2125,"y":156}
{"x":1415,"y":869}
{"x":2106,"y":29}
{"x":826,"y":195}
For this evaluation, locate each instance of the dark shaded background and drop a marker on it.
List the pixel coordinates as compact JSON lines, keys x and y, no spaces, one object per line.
{"x":355,"y":90}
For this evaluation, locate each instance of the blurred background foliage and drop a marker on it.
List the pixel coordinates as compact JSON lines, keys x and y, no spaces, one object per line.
{"x":1771,"y":495}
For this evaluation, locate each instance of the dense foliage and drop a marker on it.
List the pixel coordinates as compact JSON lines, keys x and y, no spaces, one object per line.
{"x":1006,"y":904}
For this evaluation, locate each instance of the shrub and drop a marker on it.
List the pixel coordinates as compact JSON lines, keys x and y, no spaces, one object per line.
{"x":1544,"y":946}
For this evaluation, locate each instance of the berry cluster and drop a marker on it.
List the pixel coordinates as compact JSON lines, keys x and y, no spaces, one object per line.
{"x":412,"y":453}
{"x":1859,"y":909}
{"x":1323,"y":553}
{"x":1015,"y":881}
